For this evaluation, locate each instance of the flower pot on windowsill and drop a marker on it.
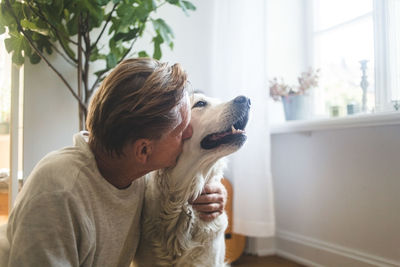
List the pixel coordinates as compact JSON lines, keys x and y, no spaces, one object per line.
{"x":297,"y":107}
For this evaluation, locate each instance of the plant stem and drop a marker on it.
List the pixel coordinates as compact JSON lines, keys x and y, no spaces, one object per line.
{"x":80,"y":70}
{"x":88,"y":51}
{"x":104,"y":27}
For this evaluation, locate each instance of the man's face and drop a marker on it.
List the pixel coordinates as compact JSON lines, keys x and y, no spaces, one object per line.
{"x":169,"y":147}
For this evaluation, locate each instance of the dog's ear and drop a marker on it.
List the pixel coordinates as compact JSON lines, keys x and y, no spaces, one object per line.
{"x":142,"y":150}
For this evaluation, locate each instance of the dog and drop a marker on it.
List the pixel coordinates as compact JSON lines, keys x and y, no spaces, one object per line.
{"x":172,"y":233}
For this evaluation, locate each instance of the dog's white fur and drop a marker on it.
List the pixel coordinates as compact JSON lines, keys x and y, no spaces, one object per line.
{"x":172,"y":233}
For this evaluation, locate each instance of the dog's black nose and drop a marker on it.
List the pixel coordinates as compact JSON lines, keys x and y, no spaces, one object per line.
{"x":242,"y":100}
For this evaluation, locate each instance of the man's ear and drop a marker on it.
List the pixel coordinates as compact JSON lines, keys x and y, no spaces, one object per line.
{"x":142,"y":149}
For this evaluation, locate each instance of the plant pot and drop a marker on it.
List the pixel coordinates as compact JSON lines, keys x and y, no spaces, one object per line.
{"x":297,"y":107}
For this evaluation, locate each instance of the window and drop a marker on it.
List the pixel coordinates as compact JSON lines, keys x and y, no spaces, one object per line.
{"x":11,"y":130}
{"x":355,"y":45}
{"x":5,"y":108}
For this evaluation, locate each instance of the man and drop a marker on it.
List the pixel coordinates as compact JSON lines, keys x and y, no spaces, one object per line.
{"x":81,"y":205}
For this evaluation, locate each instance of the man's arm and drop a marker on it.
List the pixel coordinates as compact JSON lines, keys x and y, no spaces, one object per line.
{"x":42,"y":232}
{"x":211,"y":203}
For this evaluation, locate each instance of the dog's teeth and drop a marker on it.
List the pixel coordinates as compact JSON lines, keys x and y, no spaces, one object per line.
{"x":234,"y":131}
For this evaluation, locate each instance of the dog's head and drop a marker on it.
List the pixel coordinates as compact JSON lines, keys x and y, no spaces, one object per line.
{"x":218,"y":127}
{"x":218,"y":130}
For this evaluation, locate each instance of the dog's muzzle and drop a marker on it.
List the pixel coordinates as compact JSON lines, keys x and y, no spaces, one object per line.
{"x":233,"y":133}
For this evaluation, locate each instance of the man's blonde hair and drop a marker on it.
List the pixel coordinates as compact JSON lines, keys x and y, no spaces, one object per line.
{"x":136,"y":100}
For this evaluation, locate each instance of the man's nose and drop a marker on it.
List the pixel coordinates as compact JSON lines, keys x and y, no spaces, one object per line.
{"x":188,"y":132}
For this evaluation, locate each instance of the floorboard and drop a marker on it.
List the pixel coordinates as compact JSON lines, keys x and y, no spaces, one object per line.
{"x":267,"y":261}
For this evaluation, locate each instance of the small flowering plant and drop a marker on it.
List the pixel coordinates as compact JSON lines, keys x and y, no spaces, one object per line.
{"x":307,"y":80}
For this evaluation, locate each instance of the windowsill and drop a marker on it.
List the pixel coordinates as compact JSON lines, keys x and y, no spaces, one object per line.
{"x":353,"y":121}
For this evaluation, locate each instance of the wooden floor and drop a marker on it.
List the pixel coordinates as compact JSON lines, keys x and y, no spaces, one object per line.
{"x":268,"y":261}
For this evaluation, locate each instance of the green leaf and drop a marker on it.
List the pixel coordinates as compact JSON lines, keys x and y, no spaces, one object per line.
{"x":42,"y":42}
{"x":18,"y":58}
{"x":10,"y":43}
{"x":35,"y":58}
{"x":100,"y":72}
{"x":46,"y":2}
{"x":149,"y":5}
{"x":16,"y":44}
{"x":184,"y":5}
{"x":188,"y":5}
{"x":173,"y":2}
{"x":115,"y":22}
{"x":67,"y":49}
{"x":111,"y":61}
{"x":33,"y":27}
{"x":2,"y":29}
{"x":158,"y":40}
{"x":66,"y":14}
{"x":95,"y":11}
{"x":142,"y":13}
{"x":143,"y":54}
{"x":102,"y":2}
{"x":163,"y":29}
{"x":126,"y":36}
{"x":128,"y":15}
{"x":95,"y":55}
{"x":72,"y":25}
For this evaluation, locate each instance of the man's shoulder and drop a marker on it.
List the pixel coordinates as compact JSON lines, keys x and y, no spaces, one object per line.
{"x":59,"y":169}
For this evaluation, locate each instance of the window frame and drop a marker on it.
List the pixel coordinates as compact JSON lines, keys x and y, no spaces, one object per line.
{"x":384,"y":112}
{"x":383,"y":97}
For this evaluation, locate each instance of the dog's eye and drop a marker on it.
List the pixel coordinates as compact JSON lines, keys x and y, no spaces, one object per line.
{"x":200,"y":104}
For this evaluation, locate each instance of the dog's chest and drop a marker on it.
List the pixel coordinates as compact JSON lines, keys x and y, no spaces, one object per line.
{"x":173,"y":235}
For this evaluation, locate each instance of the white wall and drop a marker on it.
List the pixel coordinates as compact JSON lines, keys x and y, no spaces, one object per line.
{"x":50,"y":113}
{"x":193,"y":43}
{"x":337,"y":195}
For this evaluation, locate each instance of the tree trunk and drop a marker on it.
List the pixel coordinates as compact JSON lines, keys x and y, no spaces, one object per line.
{"x":79,"y":87}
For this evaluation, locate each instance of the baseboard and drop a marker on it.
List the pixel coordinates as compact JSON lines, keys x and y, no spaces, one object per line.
{"x":260,"y":246}
{"x":312,"y":252}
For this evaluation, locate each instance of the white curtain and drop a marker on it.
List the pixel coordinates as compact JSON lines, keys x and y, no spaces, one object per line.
{"x":387,"y":55}
{"x":239,"y":68}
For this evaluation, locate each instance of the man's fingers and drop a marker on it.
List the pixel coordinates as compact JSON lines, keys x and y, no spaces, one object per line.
{"x":208,"y":217}
{"x":209,"y":198}
{"x":211,"y":188}
{"x":210,"y":207}
{"x":210,"y":204}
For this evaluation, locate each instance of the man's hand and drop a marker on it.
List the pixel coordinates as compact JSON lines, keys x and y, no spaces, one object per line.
{"x":211,"y":203}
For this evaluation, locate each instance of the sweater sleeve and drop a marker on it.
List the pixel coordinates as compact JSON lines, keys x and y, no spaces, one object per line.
{"x":49,"y":230}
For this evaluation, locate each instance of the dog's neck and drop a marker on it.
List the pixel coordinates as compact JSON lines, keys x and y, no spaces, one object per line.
{"x":186,"y":180}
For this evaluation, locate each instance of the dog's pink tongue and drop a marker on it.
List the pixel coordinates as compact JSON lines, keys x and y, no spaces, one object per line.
{"x":219,"y":136}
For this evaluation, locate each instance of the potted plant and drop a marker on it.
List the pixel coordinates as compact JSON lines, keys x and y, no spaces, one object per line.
{"x":81,"y":33}
{"x":295,"y":99}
